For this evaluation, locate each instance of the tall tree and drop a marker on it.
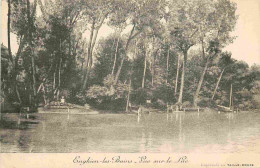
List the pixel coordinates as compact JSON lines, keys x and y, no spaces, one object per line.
{"x":30,"y":43}
{"x":224,"y":62}
{"x":141,"y":15}
{"x":216,"y":21}
{"x":183,"y":31}
{"x":96,"y":11}
{"x":9,"y":31}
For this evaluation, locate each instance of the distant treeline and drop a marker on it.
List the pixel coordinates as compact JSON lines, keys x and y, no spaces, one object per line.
{"x":168,"y":52}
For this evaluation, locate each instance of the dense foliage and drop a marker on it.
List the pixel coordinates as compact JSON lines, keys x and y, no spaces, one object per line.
{"x":169,"y":52}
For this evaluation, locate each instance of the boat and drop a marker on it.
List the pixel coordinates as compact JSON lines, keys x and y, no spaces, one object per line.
{"x":224,"y":109}
{"x":221,"y":108}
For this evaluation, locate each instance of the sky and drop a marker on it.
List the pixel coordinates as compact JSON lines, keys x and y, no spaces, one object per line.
{"x":246,"y":46}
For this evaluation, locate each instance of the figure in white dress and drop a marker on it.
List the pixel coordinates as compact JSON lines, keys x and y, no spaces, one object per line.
{"x":62,"y":101}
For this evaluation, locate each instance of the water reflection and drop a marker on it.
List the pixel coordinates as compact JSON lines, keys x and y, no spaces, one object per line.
{"x":146,"y":141}
{"x":168,"y":132}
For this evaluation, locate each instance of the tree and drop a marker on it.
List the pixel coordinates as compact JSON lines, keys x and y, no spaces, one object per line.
{"x":22,"y":21}
{"x":216,"y":22}
{"x":96,"y":12}
{"x":106,"y":63}
{"x":224,"y":62}
{"x":9,"y":31}
{"x":141,"y":15}
{"x":183,"y":31}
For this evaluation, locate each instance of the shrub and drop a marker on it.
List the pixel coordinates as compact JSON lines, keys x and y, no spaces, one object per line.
{"x":109,"y":96}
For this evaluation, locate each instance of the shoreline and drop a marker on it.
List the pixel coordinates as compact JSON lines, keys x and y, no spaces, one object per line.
{"x":93,"y":111}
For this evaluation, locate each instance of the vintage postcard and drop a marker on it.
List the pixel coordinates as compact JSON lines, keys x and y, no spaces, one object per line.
{"x":130,"y":83}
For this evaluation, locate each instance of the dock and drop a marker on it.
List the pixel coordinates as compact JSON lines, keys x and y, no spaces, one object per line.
{"x":190,"y":109}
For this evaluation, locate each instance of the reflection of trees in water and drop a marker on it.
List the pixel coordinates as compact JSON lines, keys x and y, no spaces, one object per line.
{"x":43,"y":137}
{"x":17,"y":131}
{"x":180,"y":119}
{"x":230,"y":117}
{"x":175,"y":132}
{"x":24,"y":140}
{"x":146,"y":141}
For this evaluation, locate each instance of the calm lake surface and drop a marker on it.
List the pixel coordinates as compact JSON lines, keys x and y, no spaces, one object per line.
{"x":190,"y":132}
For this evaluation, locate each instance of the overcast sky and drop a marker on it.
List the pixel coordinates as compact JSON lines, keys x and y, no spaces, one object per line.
{"x":246,"y":46}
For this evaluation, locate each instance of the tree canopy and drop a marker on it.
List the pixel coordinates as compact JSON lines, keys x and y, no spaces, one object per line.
{"x":169,"y":52}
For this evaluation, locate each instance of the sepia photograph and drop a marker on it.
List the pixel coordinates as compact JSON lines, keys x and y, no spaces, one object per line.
{"x":130,"y":76}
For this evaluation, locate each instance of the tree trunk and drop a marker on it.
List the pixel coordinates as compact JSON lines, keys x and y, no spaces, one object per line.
{"x":114,"y":41}
{"x":18,"y":94}
{"x":182,"y":79}
{"x":9,"y":31}
{"x":128,"y":95}
{"x":231,"y":97}
{"x":44,"y":96}
{"x":82,"y":63}
{"x":10,"y":52}
{"x":93,"y":43}
{"x":89,"y":52}
{"x":91,"y":48}
{"x":59,"y":79}
{"x":145,"y":65}
{"x":177,"y":76}
{"x":30,"y":24}
{"x":15,"y":71}
{"x":90,"y":59}
{"x":152,"y":69}
{"x":122,"y":60}
{"x":196,"y":95}
{"x":130,"y":81}
{"x":70,"y":46}
{"x":54,"y":77}
{"x":219,"y":78}
{"x":167,"y":65}
{"x":60,"y":73}
{"x":119,"y":70}
{"x":115,"y":58}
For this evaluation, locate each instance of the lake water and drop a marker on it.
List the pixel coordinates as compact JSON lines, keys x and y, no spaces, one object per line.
{"x":192,"y":132}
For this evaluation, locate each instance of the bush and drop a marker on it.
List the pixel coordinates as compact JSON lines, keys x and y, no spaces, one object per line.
{"x":139,"y":96}
{"x":165,"y":93}
{"x":109,"y":96}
